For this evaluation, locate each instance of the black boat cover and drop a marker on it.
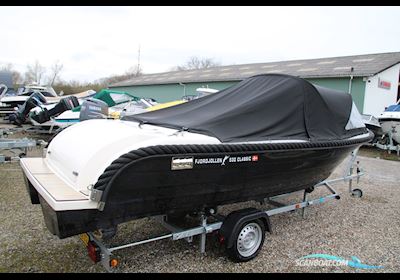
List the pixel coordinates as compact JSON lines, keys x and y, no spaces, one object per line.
{"x":259,"y":108}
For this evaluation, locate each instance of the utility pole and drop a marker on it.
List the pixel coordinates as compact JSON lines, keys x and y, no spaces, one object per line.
{"x":351,"y":79}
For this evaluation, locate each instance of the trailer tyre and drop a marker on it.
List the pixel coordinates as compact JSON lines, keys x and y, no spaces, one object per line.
{"x":249,"y":239}
{"x":106,"y":233}
{"x":357,"y":193}
{"x":176,"y":217}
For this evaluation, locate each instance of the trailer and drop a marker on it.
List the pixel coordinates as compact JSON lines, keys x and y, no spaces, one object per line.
{"x":387,"y":143}
{"x":241,"y":232}
{"x":17,"y":148}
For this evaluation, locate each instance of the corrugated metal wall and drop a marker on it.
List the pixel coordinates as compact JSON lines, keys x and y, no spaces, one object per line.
{"x":170,"y":92}
{"x":357,"y":88}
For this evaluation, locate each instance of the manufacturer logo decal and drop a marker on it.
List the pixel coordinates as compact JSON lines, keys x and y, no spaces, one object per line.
{"x":225,"y":160}
{"x":182,"y":163}
{"x":208,"y":160}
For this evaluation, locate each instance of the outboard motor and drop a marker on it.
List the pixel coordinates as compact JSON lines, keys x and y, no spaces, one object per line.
{"x":3,"y":90}
{"x":93,"y":108}
{"x":19,"y":117}
{"x":67,"y":103}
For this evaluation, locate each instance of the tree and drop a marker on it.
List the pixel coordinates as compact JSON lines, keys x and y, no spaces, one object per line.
{"x":16,"y":75}
{"x":74,"y":86}
{"x":17,"y":78}
{"x":56,"y":69}
{"x":6,"y":67}
{"x":134,"y":71}
{"x":195,"y":62}
{"x":34,"y":72}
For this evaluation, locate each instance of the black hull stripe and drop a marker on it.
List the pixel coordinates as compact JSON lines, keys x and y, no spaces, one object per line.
{"x":105,"y":180}
{"x":389,"y":119}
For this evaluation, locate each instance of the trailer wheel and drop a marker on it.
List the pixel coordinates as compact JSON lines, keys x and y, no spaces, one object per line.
{"x":105,"y":233}
{"x":357,"y":193}
{"x":176,"y":217}
{"x":248,"y":242}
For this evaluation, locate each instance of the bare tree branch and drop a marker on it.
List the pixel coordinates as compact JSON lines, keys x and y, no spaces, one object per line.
{"x":34,"y":72}
{"x":16,"y":75}
{"x":56,"y":69}
{"x":195,"y":62}
{"x":6,"y":67}
{"x":132,"y":72}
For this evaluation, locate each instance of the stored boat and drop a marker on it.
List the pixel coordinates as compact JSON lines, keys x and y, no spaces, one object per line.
{"x":372,"y":124}
{"x":117,"y":102}
{"x":201,"y":92}
{"x":235,"y":145}
{"x":42,"y":108}
{"x":80,"y":95}
{"x":166,"y":105}
{"x":11,"y":102}
{"x":390,"y":121}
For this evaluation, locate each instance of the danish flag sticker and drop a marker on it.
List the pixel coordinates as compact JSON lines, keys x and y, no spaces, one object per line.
{"x":254,"y":158}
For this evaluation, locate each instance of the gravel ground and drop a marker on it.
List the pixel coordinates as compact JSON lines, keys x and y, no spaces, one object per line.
{"x":366,"y":227}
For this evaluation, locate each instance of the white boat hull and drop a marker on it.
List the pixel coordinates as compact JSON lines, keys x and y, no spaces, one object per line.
{"x":393,"y":127}
{"x":390,"y":123}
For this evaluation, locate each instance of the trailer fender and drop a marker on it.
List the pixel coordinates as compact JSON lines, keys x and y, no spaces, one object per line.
{"x":233,"y":221}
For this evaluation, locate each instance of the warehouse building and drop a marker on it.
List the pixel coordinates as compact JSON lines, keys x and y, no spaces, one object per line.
{"x":372,"y":80}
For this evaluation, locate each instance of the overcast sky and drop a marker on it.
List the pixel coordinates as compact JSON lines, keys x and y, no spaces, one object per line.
{"x":94,"y":42}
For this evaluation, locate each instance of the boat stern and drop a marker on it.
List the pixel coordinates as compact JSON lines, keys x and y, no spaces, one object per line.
{"x":64,"y":209}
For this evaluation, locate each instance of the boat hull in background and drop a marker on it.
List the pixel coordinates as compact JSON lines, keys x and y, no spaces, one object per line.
{"x":392,"y":126}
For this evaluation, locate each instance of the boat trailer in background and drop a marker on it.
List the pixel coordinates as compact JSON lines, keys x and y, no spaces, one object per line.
{"x":242,"y":232}
{"x":387,"y":143}
{"x":17,"y":148}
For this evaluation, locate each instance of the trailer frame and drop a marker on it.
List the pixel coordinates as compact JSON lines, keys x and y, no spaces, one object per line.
{"x":17,"y":147}
{"x":389,"y":146}
{"x":105,"y":253}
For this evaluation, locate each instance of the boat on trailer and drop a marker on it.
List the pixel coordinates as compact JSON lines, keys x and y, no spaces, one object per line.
{"x":117,"y":102}
{"x":390,"y":128}
{"x":52,"y":117}
{"x":10,"y":102}
{"x":372,"y":123}
{"x":390,"y":121}
{"x":266,"y":136}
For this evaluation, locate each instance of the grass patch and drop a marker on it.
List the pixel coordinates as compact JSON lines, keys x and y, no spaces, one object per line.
{"x":374,"y":152}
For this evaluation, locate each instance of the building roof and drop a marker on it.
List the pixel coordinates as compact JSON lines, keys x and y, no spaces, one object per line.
{"x":363,"y":66}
